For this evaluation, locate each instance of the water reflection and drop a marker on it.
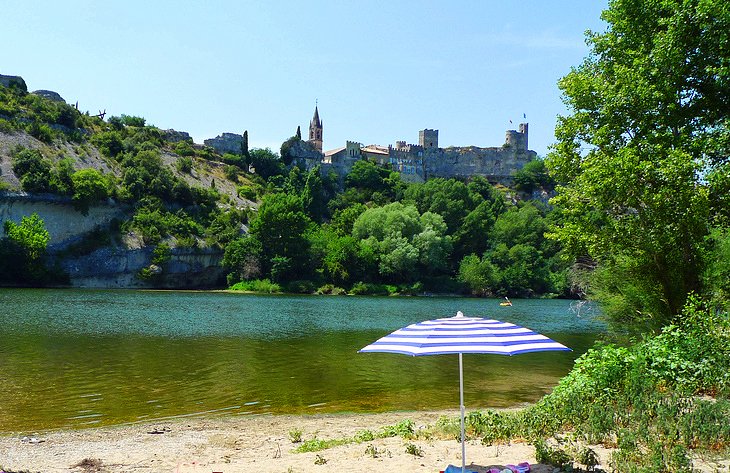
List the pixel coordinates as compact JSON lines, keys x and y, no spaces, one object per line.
{"x":79,"y":358}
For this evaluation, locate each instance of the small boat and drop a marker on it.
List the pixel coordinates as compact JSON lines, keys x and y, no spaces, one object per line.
{"x":506,"y":302}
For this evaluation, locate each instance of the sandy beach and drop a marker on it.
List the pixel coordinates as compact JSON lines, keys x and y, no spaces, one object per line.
{"x":251,"y":444}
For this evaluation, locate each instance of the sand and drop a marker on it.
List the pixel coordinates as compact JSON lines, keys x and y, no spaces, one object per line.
{"x":251,"y":444}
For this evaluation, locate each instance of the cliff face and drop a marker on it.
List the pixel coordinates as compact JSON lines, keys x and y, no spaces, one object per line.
{"x":188,"y":268}
{"x":110,"y":267}
{"x":64,"y":223}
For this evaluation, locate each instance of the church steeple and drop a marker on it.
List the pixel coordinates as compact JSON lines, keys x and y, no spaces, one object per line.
{"x":315,"y":131}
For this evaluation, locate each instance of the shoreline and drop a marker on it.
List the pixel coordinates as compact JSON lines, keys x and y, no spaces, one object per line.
{"x":259,"y":443}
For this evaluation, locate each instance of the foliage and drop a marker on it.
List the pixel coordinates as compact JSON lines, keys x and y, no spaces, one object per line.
{"x":89,"y":187}
{"x":184,"y":165}
{"x":280,"y":226}
{"x":263,"y":286}
{"x":22,"y":251}
{"x":33,"y":170}
{"x":154,"y":222}
{"x":266,"y":163}
{"x":647,"y":132}
{"x":533,"y":176}
{"x":243,"y":258}
{"x":404,"y":242}
{"x":652,"y":397}
{"x":295,"y":435}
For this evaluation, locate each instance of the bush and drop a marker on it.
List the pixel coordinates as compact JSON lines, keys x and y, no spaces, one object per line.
{"x":258,"y":285}
{"x":183,"y":148}
{"x":33,"y":170}
{"x":231,"y":173}
{"x":184,"y":165}
{"x":646,"y":396}
{"x":247,"y":192}
{"x":371,"y":289}
{"x":300,"y":287}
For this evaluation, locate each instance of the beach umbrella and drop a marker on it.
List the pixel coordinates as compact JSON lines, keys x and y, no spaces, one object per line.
{"x":459,"y":335}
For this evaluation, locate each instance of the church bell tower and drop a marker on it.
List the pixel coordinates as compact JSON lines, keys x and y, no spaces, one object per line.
{"x":315,"y":131}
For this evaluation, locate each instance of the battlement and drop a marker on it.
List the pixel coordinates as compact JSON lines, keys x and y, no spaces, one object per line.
{"x":352,"y":148}
{"x":517,"y":138}
{"x":428,"y":138}
{"x":405,"y":147}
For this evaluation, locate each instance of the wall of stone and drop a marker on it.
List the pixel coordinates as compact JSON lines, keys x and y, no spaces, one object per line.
{"x":64,"y":223}
{"x":493,"y":163}
{"x":226,"y":143}
{"x":190,"y":268}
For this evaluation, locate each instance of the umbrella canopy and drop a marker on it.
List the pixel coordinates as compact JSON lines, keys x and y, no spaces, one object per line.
{"x":461,"y":334}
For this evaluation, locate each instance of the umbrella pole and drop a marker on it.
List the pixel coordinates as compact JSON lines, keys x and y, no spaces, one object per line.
{"x":461,"y":404}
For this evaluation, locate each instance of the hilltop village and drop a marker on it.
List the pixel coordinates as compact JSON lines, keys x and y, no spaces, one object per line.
{"x":415,"y":162}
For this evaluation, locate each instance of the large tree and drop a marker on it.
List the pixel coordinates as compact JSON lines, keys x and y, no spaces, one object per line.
{"x":642,"y":151}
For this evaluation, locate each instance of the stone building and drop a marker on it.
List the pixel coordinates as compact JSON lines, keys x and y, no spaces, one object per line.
{"x":419,"y":162}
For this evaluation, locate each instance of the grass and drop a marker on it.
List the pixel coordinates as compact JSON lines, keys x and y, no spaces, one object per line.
{"x":404,"y":429}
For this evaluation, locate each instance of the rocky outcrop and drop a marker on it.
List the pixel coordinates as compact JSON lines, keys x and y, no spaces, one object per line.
{"x":188,"y":268}
{"x":226,"y":143}
{"x":175,"y":136}
{"x":13,"y":81}
{"x":49,"y":94}
{"x":302,"y":154}
{"x":64,"y":223}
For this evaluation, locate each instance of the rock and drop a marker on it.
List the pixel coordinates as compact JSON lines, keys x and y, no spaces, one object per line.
{"x":13,"y":81}
{"x":226,"y":143}
{"x":49,"y":94}
{"x":175,"y":136}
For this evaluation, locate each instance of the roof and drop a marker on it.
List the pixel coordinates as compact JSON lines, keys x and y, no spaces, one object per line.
{"x":334,"y":151}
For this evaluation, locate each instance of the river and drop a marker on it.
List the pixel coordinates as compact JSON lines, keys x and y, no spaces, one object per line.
{"x":80,"y":358}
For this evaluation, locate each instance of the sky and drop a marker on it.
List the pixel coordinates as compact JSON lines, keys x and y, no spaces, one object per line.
{"x":379,"y":71}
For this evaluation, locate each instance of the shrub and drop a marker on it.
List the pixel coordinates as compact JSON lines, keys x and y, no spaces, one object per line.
{"x":33,"y":170}
{"x":257,"y":285}
{"x":89,"y":187}
{"x":183,"y":148}
{"x":184,"y":165}
{"x":231,"y":173}
{"x":247,"y":192}
{"x":295,"y":435}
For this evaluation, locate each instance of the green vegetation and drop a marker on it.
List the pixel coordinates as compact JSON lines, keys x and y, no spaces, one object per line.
{"x":642,"y":158}
{"x":22,"y":252}
{"x":403,"y":429}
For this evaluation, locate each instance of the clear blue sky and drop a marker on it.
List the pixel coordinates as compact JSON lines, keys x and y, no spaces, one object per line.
{"x":380,"y":70}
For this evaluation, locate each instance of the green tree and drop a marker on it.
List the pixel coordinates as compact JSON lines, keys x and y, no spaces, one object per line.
{"x":447,"y":197}
{"x":89,"y":187}
{"x":479,"y":274}
{"x":23,"y":250}
{"x":266,"y":163}
{"x":281,"y":226}
{"x":533,"y":176}
{"x":242,"y":257}
{"x":405,"y":243}
{"x":647,"y":125}
{"x":33,"y":170}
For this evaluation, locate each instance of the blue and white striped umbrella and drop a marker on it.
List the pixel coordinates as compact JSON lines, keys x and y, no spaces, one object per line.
{"x":461,"y":334}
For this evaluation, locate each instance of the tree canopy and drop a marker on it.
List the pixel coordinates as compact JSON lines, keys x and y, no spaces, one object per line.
{"x":642,"y":150}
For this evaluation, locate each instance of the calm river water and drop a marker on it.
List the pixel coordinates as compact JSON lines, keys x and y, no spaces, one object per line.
{"x":79,"y":358}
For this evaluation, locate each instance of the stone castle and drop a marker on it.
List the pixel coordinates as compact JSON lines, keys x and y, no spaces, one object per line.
{"x":418,"y":162}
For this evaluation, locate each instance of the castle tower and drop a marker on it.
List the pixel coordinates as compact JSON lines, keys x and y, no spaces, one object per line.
{"x":315,"y":131}
{"x":428,"y":138}
{"x":517,"y":139}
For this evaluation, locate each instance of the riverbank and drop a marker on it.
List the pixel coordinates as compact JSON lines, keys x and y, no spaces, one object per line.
{"x":252,"y":444}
